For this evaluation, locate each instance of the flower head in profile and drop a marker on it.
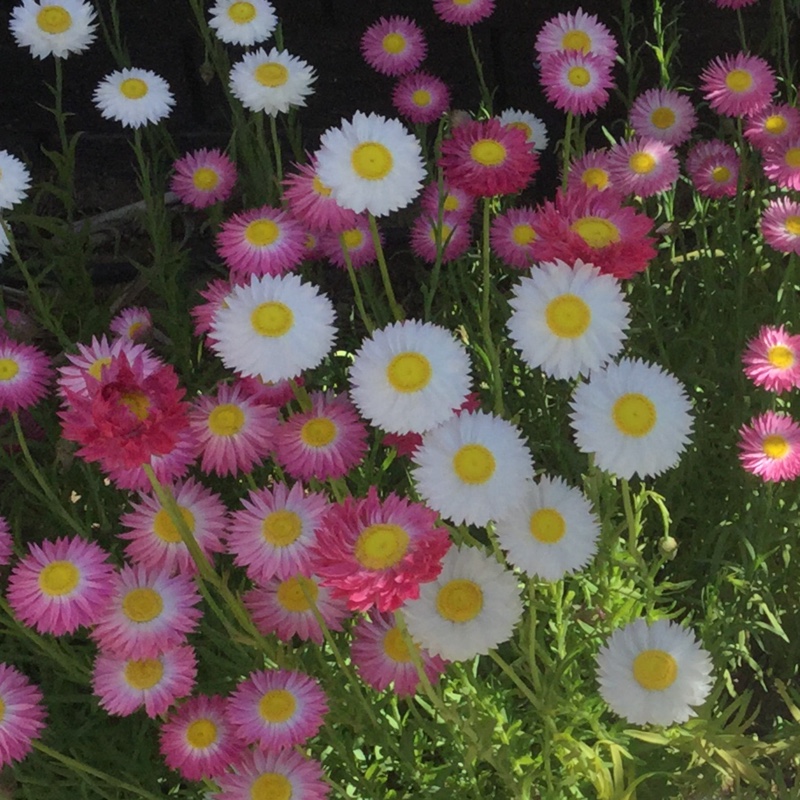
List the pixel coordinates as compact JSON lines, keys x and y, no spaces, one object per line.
{"x":23,"y":714}
{"x":772,"y":359}
{"x":463,"y":12}
{"x":15,"y":180}
{"x":738,"y":85}
{"x":394,"y":45}
{"x":134,"y":97}
{"x":53,"y":27}
{"x":780,"y":225}
{"x":134,"y":323}
{"x":243,"y":22}
{"x":203,"y":177}
{"x":769,"y":447}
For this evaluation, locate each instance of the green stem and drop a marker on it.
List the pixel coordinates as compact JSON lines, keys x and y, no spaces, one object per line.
{"x":365,"y":318}
{"x":276,"y":147}
{"x":486,"y":95}
{"x":486,"y":322}
{"x":397,"y":311}
{"x":566,"y":150}
{"x":515,"y":679}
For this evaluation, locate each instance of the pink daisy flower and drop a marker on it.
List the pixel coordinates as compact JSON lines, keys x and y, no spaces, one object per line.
{"x":463,"y":12}
{"x":262,"y":241}
{"x":575,"y":82}
{"x":421,"y":97}
{"x":60,"y":586}
{"x":272,"y":534}
{"x":663,"y":114}
{"x":134,"y":324}
{"x":24,"y":375}
{"x":6,"y":542}
{"x":643,"y":167}
{"x":283,"y":607}
{"x":270,"y":394}
{"x":356,"y":241}
{"x":488,"y":158}
{"x":733,"y":3}
{"x":782,"y":163}
{"x":277,"y":708}
{"x":382,"y":657}
{"x":149,"y":612}
{"x":780,"y":225}
{"x":124,"y":685}
{"x":512,"y":234}
{"x":739,"y":85}
{"x":235,"y":432}
{"x":376,"y":553}
{"x":203,"y":177}
{"x":592,"y":171}
{"x":154,"y":540}
{"x":23,"y":714}
{"x":198,"y":740}
{"x":579,"y":32}
{"x":453,"y":237}
{"x":452,"y":200}
{"x":772,"y":359}
{"x":394,"y":45}
{"x":772,"y":125}
{"x":273,"y":776}
{"x":325,"y":442}
{"x":713,"y":168}
{"x":770,"y":447}
{"x":214,"y":294}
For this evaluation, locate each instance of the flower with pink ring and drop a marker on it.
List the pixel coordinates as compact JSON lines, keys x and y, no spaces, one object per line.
{"x":60,"y":586}
{"x":486,"y":158}
{"x":149,"y":612}
{"x":276,"y":774}
{"x":780,"y":225}
{"x":643,"y":167}
{"x":24,"y":375}
{"x":198,"y":740}
{"x":382,"y":657}
{"x":772,"y":359}
{"x":591,"y":171}
{"x":376,"y":553}
{"x":738,"y":86}
{"x":276,"y":709}
{"x":579,"y":32}
{"x":203,"y":177}
{"x":421,"y":97}
{"x":6,"y":542}
{"x":394,"y":46}
{"x":284,"y":608}
{"x":774,"y":124}
{"x":663,"y":114}
{"x":214,"y":295}
{"x":511,"y":235}
{"x":781,"y":163}
{"x":463,"y":12}
{"x":261,"y":241}
{"x":124,"y":685}
{"x":356,"y":241}
{"x":769,"y":447}
{"x":575,"y":82}
{"x":451,"y":199}
{"x":325,"y":442}
{"x":713,"y":168}
{"x":272,"y":534}
{"x":134,"y":323}
{"x":451,"y":238}
{"x":23,"y":714}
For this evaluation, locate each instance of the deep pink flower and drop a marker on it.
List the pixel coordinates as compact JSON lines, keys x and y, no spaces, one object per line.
{"x":713,"y":167}
{"x":579,"y":32}
{"x":421,"y":97}
{"x":780,"y":225}
{"x":782,"y":163}
{"x":279,"y":773}
{"x":23,"y":714}
{"x":770,"y":447}
{"x":663,"y":114}
{"x":203,"y":177}
{"x":453,"y":234}
{"x":592,"y":171}
{"x":463,"y":12}
{"x":512,"y":235}
{"x":24,"y":375}
{"x":643,"y":167}
{"x":739,"y":85}
{"x":772,"y":359}
{"x":452,"y":200}
{"x":356,"y":241}
{"x":773,"y":124}
{"x":394,"y":45}
{"x":575,"y":82}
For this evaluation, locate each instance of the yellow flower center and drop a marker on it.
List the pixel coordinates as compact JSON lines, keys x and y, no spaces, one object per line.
{"x":663,"y":118}
{"x":282,"y":527}
{"x":488,"y":152}
{"x":143,"y":674}
{"x":459,"y":600}
{"x":444,"y":232}
{"x":272,"y":74}
{"x":409,"y":372}
{"x":792,"y":225}
{"x":142,"y":605}
{"x":780,"y":356}
{"x":133,"y":88}
{"x":642,"y":163}
{"x":59,"y":578}
{"x":519,"y":125}
{"x":96,"y":368}
{"x":738,"y":80}
{"x":395,"y":647}
{"x":226,"y":419}
{"x":720,"y":174}
{"x":655,"y":670}
{"x":634,"y":415}
{"x":201,"y":734}
{"x":372,"y":161}
{"x":242,"y":13}
{"x":474,"y":463}
{"x":421,"y":98}
{"x":352,"y":238}
{"x":597,"y":232}
{"x":134,"y":328}
{"x":166,"y":529}
{"x":8,"y":369}
{"x":137,"y":403}
{"x":775,"y":124}
{"x":319,"y":432}
{"x":547,"y":525}
{"x":295,"y":593}
{"x":320,"y":188}
{"x":262,"y":233}
{"x":775,"y":446}
{"x":579,"y":76}
{"x":205,"y":179}
{"x":2,"y":710}
{"x":576,"y":40}
{"x":272,"y":319}
{"x":271,"y":786}
{"x":277,"y":706}
{"x":394,"y":43}
{"x":595,"y":178}
{"x":523,"y":234}
{"x":792,"y":157}
{"x":451,"y":203}
{"x":381,"y":545}
{"x":54,"y":19}
{"x":568,"y":316}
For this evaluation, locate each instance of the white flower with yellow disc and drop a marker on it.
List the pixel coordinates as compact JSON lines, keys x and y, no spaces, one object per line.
{"x":134,"y":97}
{"x":56,"y":28}
{"x":534,"y":129}
{"x":243,"y":22}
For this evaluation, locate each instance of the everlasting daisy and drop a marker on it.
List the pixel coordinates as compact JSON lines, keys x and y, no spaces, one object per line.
{"x":23,"y":714}
{"x":133,"y":323}
{"x":243,"y":23}
{"x":6,"y":542}
{"x":421,"y":97}
{"x":450,"y":199}
{"x":269,"y":393}
{"x":579,"y":32}
{"x":774,"y":124}
{"x":713,"y":167}
{"x":60,"y":586}
{"x":772,"y":359}
{"x":643,"y":167}
{"x":274,"y":328}
{"x":739,"y":85}
{"x":770,"y":447}
{"x":203,"y":177}
{"x":394,"y":45}
{"x":663,"y":114}
{"x":431,"y":240}
{"x":780,"y":225}
{"x":371,"y":164}
{"x":24,"y":375}
{"x":53,"y":28}
{"x":355,"y":241}
{"x":653,"y":674}
{"x":633,"y":416}
{"x":472,"y":468}
{"x":512,"y":234}
{"x":409,"y":376}
{"x":463,"y":12}
{"x":134,"y":97}
{"x":591,"y":171}
{"x":271,"y":82}
{"x":781,"y":163}
{"x":568,"y":320}
{"x":277,"y":709}
{"x":533,"y":128}
{"x":15,"y":180}
{"x":575,"y":82}
{"x":215,"y":294}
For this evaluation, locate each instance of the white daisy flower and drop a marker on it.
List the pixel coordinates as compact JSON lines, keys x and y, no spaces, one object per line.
{"x":552,"y":533}
{"x":273,"y":328}
{"x":409,"y":376}
{"x":271,"y":82}
{"x":15,"y":180}
{"x":371,"y":164}
{"x":533,"y":128}
{"x":473,"y":468}
{"x":134,"y":97}
{"x":53,"y":28}
{"x":633,"y":416}
{"x":568,"y":320}
{"x":244,"y":23}
{"x":653,"y":673}
{"x":470,"y":608}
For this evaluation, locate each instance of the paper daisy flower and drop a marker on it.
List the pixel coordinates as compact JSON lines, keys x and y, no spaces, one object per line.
{"x":781,"y":163}
{"x":769,"y":447}
{"x":421,"y":97}
{"x":274,"y":531}
{"x":153,"y":538}
{"x":124,"y":685}
{"x":552,"y":533}
{"x":23,"y":714}
{"x":15,"y":180}
{"x":243,"y":23}
{"x":643,"y":167}
{"x":355,"y":241}
{"x":653,"y":674}
{"x":197,"y":739}
{"x":470,"y":608}
{"x":277,"y":709}
{"x":663,"y":114}
{"x":409,"y":376}
{"x":774,"y":124}
{"x":713,"y":168}
{"x":487,"y":158}
{"x":634,"y":416}
{"x":579,"y":32}
{"x":53,"y":28}
{"x":772,"y":359}
{"x":534,"y":129}
{"x":394,"y":45}
{"x":463,"y":12}
{"x":148,"y":613}
{"x":576,"y":82}
{"x":472,"y":468}
{"x":271,"y":82}
{"x":511,"y":235}
{"x":568,"y":320}
{"x":134,"y":97}
{"x":739,"y":85}
{"x":214,"y":294}
{"x":24,"y":375}
{"x":371,"y":164}
{"x":591,"y":171}
{"x":449,"y":240}
{"x":203,"y":177}
{"x":6,"y":542}
{"x":267,"y":393}
{"x":451,"y":199}
{"x":60,"y":586}
{"x":134,"y":323}
{"x":273,"y":327}
{"x":780,"y":225}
